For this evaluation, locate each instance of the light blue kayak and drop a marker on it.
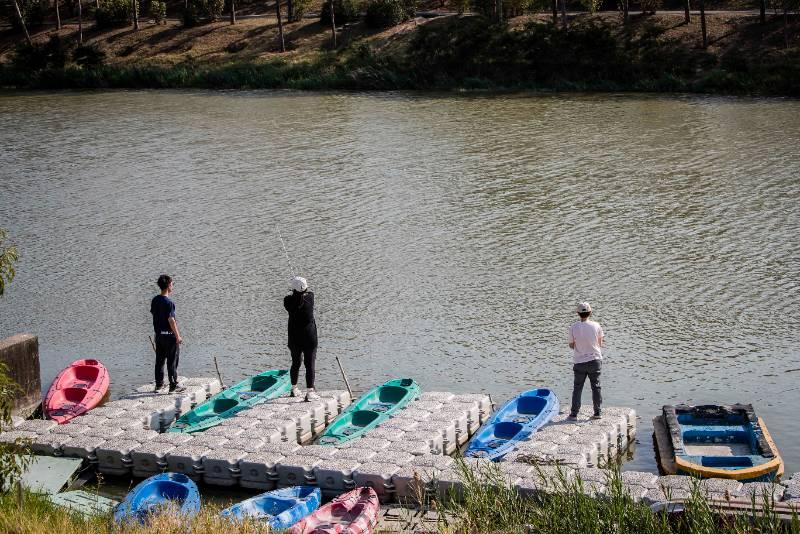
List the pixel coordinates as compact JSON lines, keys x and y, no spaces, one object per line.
{"x":279,"y":509}
{"x":156,"y":494}
{"x":515,"y":421}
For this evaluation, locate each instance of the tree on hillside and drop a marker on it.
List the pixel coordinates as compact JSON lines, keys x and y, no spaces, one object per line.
{"x":686,"y":15}
{"x":703,"y":23}
{"x":22,"y":22}
{"x":8,"y":257}
{"x":280,"y":25}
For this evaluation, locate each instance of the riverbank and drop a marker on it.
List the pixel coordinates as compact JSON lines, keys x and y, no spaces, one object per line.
{"x":596,"y":53}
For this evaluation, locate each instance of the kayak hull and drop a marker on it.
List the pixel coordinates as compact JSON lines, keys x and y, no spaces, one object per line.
{"x":355,"y":512}
{"x":225,"y":404}
{"x":279,"y":509}
{"x":716,"y":441}
{"x":156,"y":494}
{"x":514,"y":422}
{"x":77,"y":389}
{"x":372,"y":408}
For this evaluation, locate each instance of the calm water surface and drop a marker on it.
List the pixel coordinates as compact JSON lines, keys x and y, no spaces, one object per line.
{"x":447,"y":238}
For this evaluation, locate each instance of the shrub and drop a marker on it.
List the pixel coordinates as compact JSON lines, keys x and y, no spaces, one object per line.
{"x":88,"y":55}
{"x":344,"y":11}
{"x":299,"y":8}
{"x":38,"y":56}
{"x":33,"y":13}
{"x":157,"y":11}
{"x":201,"y":11}
{"x":114,"y":13}
{"x":384,"y":13}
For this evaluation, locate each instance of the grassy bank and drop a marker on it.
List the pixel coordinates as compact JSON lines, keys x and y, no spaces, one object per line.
{"x":487,"y":505}
{"x":596,"y":53}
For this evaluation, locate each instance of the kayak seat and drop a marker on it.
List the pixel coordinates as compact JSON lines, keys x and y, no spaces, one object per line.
{"x":363,"y":417}
{"x":391,"y":394}
{"x":262,"y":383}
{"x":223,"y":405}
{"x":70,"y":395}
{"x":506,"y":430}
{"x":86,"y":373}
{"x":531,"y":405}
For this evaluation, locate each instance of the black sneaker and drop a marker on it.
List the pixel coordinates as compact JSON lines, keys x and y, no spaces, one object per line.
{"x":597,"y":416}
{"x":158,"y":389}
{"x":177,"y":389}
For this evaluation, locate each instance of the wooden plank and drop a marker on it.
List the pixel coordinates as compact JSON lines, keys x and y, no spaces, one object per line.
{"x":664,"y":452}
{"x":47,"y":474}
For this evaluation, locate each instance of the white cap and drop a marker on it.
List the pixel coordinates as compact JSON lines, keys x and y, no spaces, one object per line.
{"x":298,"y":283}
{"x":584,"y":307}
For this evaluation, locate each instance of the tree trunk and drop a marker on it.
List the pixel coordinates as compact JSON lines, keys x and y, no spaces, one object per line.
{"x":555,"y":12}
{"x":564,"y":13}
{"x":625,"y":11}
{"x":703,"y":23}
{"x":498,"y":8}
{"x":233,"y":11}
{"x":22,"y":23}
{"x":686,"y":15}
{"x":58,"y":17}
{"x":786,"y":23}
{"x":280,"y":24}
{"x":135,"y":14}
{"x":762,"y":11}
{"x":80,"y":23}
{"x":333,"y":24}
{"x":289,"y":10}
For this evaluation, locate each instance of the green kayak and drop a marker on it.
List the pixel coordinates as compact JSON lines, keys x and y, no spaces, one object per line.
{"x":247,"y":393}
{"x":374,"y":407}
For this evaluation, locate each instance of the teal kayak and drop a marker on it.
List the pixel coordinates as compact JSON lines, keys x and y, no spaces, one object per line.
{"x":249,"y":392}
{"x":374,"y":407}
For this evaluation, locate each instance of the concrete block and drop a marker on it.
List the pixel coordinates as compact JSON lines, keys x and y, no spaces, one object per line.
{"x":447,"y":484}
{"x":593,"y":489}
{"x":245,"y":422}
{"x":188,"y":460}
{"x":109,"y":412}
{"x":658,"y":495}
{"x":104,"y":432}
{"x":296,"y":470}
{"x":378,"y":476}
{"x":523,"y":447}
{"x":401,"y":423}
{"x":221,"y":466}
{"x":434,"y":461}
{"x":426,"y":405}
{"x":587,"y":450}
{"x":20,"y":353}
{"x":83,"y":447}
{"x":634,"y":491}
{"x":150,"y":458}
{"x":639,"y":478}
{"x":483,"y":401}
{"x":356,"y":454}
{"x":114,"y":457}
{"x":720,"y":486}
{"x":265,"y":435}
{"x":757,"y":492}
{"x":447,"y":429}
{"x":416,"y":448}
{"x":593,"y":474}
{"x":677,"y":482}
{"x":413,"y":413}
{"x":70,"y":429}
{"x":142,"y":436}
{"x":439,"y":396}
{"x":411,"y":485}
{"x":391,"y":456}
{"x":259,"y":470}
{"x":174,"y":438}
{"x":229,"y":432}
{"x":128,"y":423}
{"x":391,"y":434}
{"x":318,"y":451}
{"x":14,"y":435}
{"x":50,"y":444}
{"x":37,"y":426}
{"x":246,"y":443}
{"x":455,"y":417}
{"x":284,"y":448}
{"x":366,"y":443}
{"x":432,"y":438}
{"x":336,"y":474}
{"x":303,"y":424}
{"x":212,"y":442}
{"x":124,"y":404}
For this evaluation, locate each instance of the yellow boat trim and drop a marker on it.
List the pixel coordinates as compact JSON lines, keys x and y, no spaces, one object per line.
{"x":775,"y":465}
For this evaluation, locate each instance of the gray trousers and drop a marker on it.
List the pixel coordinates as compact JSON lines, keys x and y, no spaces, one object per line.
{"x":582,"y":370}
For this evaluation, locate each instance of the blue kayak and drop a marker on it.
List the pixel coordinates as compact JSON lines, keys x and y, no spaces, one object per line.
{"x":280,"y":509}
{"x":515,"y":421}
{"x":157,"y":492}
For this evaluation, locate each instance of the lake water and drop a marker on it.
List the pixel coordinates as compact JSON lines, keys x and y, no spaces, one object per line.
{"x":447,"y":238}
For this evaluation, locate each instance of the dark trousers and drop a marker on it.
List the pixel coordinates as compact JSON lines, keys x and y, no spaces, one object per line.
{"x":582,"y":370}
{"x":167,"y":350}
{"x":306,"y":356}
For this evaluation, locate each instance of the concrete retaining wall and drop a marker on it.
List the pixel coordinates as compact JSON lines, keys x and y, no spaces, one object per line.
{"x":21,"y":354}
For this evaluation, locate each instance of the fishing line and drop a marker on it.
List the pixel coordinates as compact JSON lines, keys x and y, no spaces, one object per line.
{"x":286,"y":253}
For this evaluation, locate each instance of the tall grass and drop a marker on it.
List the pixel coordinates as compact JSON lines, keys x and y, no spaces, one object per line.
{"x":489,"y":504}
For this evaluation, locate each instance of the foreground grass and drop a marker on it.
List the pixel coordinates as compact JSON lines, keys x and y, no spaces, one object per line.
{"x":488,"y":505}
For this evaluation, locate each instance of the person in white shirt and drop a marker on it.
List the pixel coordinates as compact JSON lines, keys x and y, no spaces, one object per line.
{"x":585,"y":340}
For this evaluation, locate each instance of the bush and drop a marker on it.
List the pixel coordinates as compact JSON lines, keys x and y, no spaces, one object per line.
{"x":201,"y":11}
{"x":114,"y":13}
{"x":387,"y":13}
{"x":33,"y":13}
{"x":38,"y":56}
{"x":299,"y":8}
{"x":344,"y":11}
{"x":89,"y":55}
{"x":157,"y":11}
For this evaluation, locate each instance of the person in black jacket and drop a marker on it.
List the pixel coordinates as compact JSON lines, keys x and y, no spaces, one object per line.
{"x":302,"y":334}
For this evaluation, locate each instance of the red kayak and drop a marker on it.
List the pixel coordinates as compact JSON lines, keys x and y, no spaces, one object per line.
{"x":76,"y":390}
{"x":355,"y":512}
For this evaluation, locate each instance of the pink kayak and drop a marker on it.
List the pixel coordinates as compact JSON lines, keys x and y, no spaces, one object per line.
{"x":76,"y":390}
{"x":355,"y":512}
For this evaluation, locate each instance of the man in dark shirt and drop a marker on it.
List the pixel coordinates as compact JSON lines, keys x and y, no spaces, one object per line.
{"x":302,"y":334}
{"x":168,"y":338}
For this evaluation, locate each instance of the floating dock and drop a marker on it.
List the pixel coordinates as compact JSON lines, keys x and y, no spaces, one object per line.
{"x":405,"y":459}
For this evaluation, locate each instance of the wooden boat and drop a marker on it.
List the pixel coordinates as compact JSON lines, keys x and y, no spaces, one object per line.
{"x":715,"y":441}
{"x":355,"y":512}
{"x":374,"y":407}
{"x":76,"y":390}
{"x":249,"y":392}
{"x":515,"y":421}
{"x":279,"y":509}
{"x":158,"y":494}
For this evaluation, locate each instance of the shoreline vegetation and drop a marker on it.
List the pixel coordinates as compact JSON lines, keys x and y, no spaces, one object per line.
{"x":487,"y":504}
{"x":650,"y":52}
